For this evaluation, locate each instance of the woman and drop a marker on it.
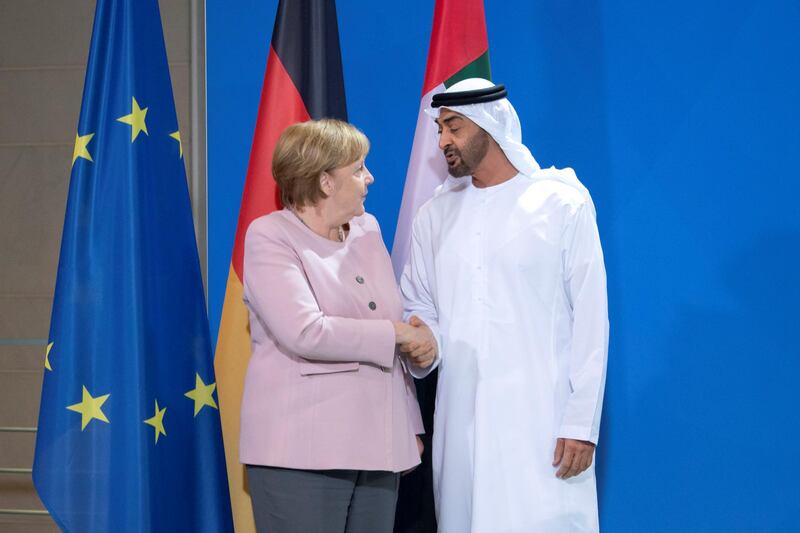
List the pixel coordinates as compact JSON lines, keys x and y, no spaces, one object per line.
{"x":329,"y":413}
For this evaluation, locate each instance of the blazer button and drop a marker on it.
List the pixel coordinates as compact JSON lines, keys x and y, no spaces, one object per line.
{"x":360,"y":280}
{"x":372,"y":306}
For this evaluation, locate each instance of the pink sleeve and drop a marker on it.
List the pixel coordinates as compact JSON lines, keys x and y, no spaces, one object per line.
{"x":277,"y":291}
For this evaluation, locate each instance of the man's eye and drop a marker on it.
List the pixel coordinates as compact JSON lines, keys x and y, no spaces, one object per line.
{"x":453,"y":130}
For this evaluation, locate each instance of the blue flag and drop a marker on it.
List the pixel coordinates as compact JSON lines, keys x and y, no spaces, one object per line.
{"x":129,"y":435}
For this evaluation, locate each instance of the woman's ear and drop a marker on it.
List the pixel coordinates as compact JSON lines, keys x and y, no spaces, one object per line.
{"x":326,"y":183}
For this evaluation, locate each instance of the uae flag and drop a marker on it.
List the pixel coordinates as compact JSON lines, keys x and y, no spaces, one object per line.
{"x":459,"y":49}
{"x":303,"y":81}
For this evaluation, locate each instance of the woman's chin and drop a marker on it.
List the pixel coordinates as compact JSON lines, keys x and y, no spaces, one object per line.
{"x":357,"y":212}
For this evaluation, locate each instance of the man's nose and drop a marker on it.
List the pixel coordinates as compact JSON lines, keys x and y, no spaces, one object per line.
{"x":444,"y":140}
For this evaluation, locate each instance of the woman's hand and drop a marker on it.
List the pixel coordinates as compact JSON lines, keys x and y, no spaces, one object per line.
{"x":403,"y":332}
{"x":416,"y":340}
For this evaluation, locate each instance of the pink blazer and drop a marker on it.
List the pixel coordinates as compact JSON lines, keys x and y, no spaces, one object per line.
{"x":325,"y":388}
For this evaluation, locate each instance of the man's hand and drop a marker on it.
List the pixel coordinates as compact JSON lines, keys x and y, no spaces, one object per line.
{"x":420,"y":347}
{"x":574,"y":456}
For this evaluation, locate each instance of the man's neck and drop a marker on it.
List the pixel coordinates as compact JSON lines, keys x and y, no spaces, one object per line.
{"x":493,"y":170}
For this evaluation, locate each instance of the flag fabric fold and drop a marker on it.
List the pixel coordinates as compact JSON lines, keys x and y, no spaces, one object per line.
{"x":129,"y":435}
{"x":303,"y":81}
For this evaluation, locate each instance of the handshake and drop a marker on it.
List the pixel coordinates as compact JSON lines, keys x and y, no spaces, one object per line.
{"x":416,"y":340}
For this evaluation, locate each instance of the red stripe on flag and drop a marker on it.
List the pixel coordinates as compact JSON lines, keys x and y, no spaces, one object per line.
{"x":458,"y":38}
{"x":280,"y":107}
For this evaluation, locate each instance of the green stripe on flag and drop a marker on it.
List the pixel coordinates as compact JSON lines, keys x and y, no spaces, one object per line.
{"x":477,"y":69}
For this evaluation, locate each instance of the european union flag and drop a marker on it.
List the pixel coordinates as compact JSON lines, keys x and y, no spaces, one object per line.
{"x":129,"y":435}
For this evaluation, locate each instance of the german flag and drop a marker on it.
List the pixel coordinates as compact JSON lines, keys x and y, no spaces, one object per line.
{"x":303,"y":81}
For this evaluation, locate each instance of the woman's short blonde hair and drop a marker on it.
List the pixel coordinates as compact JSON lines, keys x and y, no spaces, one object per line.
{"x":306,"y":150}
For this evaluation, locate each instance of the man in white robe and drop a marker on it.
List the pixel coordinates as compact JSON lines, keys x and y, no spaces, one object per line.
{"x":507,"y":270}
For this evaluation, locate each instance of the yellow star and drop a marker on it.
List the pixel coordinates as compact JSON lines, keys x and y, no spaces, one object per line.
{"x":90,"y":408}
{"x":81,"y":150}
{"x":136,"y":120}
{"x":47,"y":357}
{"x":177,"y":136}
{"x":157,"y":421}
{"x":202,"y":394}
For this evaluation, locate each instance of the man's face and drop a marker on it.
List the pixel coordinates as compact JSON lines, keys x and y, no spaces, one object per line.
{"x":463,"y":143}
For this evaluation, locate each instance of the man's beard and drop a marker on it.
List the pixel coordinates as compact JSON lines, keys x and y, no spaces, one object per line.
{"x":474,"y":151}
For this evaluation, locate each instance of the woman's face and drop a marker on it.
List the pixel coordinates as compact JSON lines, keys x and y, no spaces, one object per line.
{"x":350,"y":187}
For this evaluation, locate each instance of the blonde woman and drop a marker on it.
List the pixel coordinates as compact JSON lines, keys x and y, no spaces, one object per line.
{"x":329,"y":414}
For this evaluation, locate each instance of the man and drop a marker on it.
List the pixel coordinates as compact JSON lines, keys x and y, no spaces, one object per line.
{"x":507,"y":271}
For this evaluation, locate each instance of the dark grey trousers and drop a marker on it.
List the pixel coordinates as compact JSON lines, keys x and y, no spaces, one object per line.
{"x":322,"y":501}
